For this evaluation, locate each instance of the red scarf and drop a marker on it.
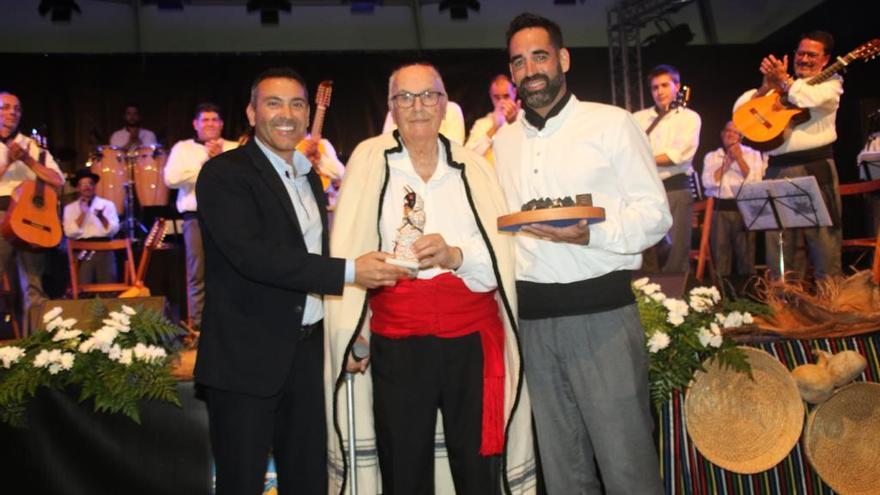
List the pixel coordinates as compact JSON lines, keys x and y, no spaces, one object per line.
{"x":444,"y":307}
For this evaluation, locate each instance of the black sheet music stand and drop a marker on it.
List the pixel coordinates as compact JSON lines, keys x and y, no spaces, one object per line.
{"x":783,"y":204}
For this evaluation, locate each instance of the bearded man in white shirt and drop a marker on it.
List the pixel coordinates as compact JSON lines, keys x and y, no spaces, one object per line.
{"x":675,"y":135}
{"x":132,"y":135}
{"x":583,"y":344}
{"x":181,"y":171}
{"x":91,"y":218}
{"x":806,"y":149}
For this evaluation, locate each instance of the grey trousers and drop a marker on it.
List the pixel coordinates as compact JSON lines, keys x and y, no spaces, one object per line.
{"x":31,"y":265}
{"x":100,"y":268}
{"x":730,"y":237}
{"x":588,"y":381}
{"x":676,"y":245}
{"x":195,"y":270}
{"x":823,"y":243}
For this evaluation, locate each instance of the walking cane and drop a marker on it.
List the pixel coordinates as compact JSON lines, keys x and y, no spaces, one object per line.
{"x":352,"y":451}
{"x":359,"y":351}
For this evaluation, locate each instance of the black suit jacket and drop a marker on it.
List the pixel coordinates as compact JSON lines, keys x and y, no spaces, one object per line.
{"x":257,"y":272}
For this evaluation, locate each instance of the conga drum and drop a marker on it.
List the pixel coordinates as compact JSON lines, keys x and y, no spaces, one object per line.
{"x":110,"y":165}
{"x":149,"y":181}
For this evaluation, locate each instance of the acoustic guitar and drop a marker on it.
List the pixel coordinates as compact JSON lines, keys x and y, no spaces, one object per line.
{"x":322,"y":102}
{"x":764,"y":120}
{"x":32,"y":220}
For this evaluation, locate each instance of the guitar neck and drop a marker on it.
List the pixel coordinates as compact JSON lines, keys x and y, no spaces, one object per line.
{"x":318,"y":122}
{"x":831,"y":70}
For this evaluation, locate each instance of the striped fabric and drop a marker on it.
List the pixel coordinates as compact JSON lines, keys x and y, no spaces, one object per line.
{"x":685,"y":471}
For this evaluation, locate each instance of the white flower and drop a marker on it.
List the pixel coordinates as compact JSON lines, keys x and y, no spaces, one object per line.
{"x":42,"y":359}
{"x":708,"y":337}
{"x":128,"y":310}
{"x":638,"y":284}
{"x":675,"y":318}
{"x":66,"y":335}
{"x":119,"y":321}
{"x":126,"y":357}
{"x":700,"y":304}
{"x":114,"y":353}
{"x":54,"y":360}
{"x":733,"y":320}
{"x":67,"y":359}
{"x":52,"y":314}
{"x":10,"y":355}
{"x":658,"y":342}
{"x":55,"y":323}
{"x":676,"y":306}
{"x":710,"y":293}
{"x":87,"y":345}
{"x":148,"y":353}
{"x":651,"y":288}
{"x":719,"y":317}
{"x":658,"y":296}
{"x":747,"y":318}
{"x":68,"y":323}
{"x":716,"y":330}
{"x":104,"y":337}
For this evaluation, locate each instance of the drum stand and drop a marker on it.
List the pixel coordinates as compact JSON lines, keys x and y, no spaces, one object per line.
{"x":131,"y":223}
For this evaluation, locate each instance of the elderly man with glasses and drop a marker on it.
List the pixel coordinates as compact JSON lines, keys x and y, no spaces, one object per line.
{"x":444,"y":339}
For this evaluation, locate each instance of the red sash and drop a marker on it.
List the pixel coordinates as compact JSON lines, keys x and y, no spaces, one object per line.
{"x":444,"y":307}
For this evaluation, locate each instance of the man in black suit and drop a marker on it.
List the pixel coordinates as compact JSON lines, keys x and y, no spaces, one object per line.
{"x":261,"y":351}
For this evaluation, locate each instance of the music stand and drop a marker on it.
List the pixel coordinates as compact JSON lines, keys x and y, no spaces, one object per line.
{"x":781,"y":204}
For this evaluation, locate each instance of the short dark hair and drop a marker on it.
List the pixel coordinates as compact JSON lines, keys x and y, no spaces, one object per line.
{"x":823,"y":37}
{"x":278,"y":73}
{"x":528,"y":20}
{"x":206,"y":107}
{"x":130,"y":104}
{"x":664,"y":69}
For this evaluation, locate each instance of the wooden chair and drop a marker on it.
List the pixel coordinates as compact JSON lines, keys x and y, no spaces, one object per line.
{"x":858,"y":188}
{"x":703,"y":221}
{"x":8,"y":295}
{"x":129,"y":277}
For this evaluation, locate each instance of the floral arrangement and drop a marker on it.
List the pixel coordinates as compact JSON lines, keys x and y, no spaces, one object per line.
{"x":118,"y":364}
{"x":682,"y":334}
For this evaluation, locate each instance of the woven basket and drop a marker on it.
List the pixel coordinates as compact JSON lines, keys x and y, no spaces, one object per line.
{"x":742,"y":425}
{"x":842,"y":439}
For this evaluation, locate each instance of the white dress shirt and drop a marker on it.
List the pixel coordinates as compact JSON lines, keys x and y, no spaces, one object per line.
{"x":17,"y":171}
{"x":733,"y":178}
{"x":822,"y":100}
{"x":588,"y":148}
{"x":182,"y":169}
{"x":446,"y":213}
{"x":92,"y":226}
{"x":677,"y":135}
{"x":307,"y":213}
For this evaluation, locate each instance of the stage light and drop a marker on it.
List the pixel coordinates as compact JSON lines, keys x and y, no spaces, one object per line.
{"x":364,"y":6}
{"x":61,"y":10}
{"x":458,"y":9}
{"x":268,"y":10}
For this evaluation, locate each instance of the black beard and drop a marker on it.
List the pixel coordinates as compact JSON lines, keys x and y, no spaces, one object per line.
{"x":542,"y":97}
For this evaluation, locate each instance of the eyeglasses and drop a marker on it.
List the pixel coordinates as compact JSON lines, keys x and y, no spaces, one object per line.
{"x":405,"y":99}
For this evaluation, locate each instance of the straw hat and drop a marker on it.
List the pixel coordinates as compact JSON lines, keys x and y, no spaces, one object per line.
{"x":842,"y":439}
{"x":742,"y":425}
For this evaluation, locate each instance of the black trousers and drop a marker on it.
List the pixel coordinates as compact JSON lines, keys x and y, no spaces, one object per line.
{"x":291,"y":424}
{"x":412,"y":379}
